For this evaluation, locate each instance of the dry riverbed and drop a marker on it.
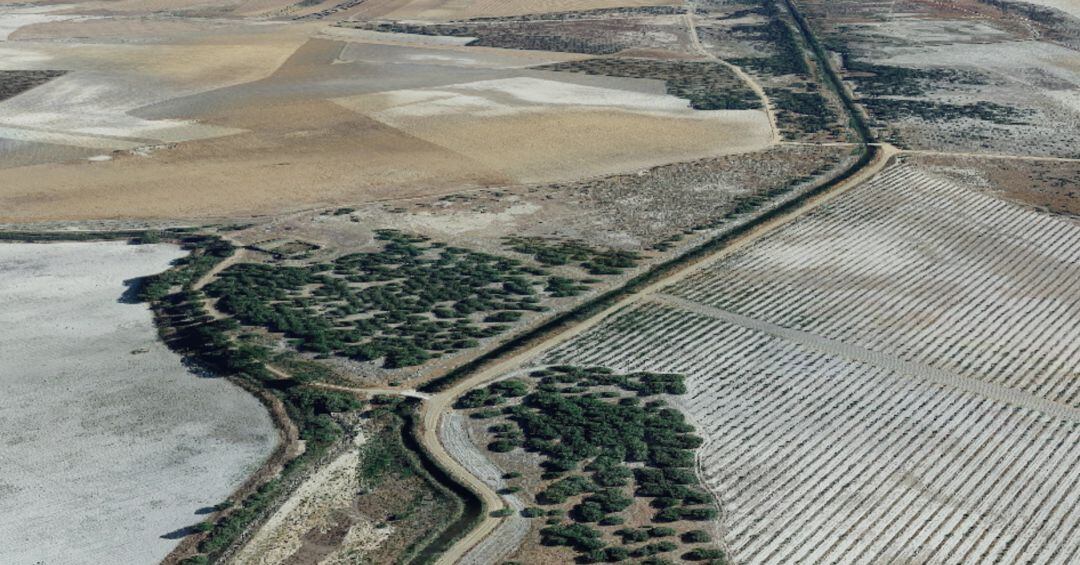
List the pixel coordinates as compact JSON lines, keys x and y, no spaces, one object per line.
{"x":111,"y":447}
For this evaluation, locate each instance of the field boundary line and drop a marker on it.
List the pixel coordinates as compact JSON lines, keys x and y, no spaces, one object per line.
{"x":1003,"y":156}
{"x":860,"y":354}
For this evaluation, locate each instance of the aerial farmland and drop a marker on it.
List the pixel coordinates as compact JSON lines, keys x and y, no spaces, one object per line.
{"x":572,"y":281}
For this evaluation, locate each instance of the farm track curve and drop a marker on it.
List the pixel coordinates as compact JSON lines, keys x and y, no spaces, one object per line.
{"x":434,"y":409}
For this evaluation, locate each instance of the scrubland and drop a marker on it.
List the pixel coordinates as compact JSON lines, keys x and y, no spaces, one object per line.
{"x":386,"y":196}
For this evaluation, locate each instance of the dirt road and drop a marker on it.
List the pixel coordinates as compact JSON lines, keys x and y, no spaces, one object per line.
{"x":435,"y":408}
{"x":695,"y":41}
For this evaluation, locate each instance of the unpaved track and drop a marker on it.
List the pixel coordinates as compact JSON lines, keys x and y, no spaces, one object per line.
{"x":238,"y":255}
{"x":990,"y":156}
{"x":436,"y":406}
{"x":433,"y":410}
{"x":854,"y":352}
{"x":695,"y":41}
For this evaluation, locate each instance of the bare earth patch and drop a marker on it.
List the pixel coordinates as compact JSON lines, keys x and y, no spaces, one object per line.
{"x":112,"y":447}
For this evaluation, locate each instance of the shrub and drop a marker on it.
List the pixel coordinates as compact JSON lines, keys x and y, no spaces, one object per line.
{"x":587,"y":512}
{"x":702,"y":554}
{"x":502,"y":446}
{"x":579,"y":536}
{"x":696,"y":536}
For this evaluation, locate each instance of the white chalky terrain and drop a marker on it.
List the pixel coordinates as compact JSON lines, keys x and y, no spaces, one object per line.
{"x":110,"y":446}
{"x":891,"y":378}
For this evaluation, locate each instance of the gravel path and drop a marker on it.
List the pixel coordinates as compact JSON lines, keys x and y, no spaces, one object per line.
{"x":454,"y":436}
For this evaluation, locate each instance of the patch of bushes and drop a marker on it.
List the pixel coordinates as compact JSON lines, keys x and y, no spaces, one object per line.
{"x":708,"y":85}
{"x":408,"y":303}
{"x":589,"y":442}
{"x":553,"y":252}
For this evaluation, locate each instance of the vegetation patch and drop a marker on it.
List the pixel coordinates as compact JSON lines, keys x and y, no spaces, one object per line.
{"x":534,"y":36}
{"x":886,"y":110}
{"x":552,"y":252}
{"x":801,"y":112}
{"x":612,"y":452}
{"x":708,"y":85}
{"x":410,"y":302}
{"x":624,"y":11}
{"x":320,"y":416}
{"x":186,"y":327}
{"x":13,"y":83}
{"x":888,"y":80}
{"x":398,"y":491}
{"x":891,"y":93}
{"x":787,"y":57}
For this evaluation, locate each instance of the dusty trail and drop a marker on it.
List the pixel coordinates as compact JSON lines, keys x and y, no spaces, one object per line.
{"x":990,"y":156}
{"x":884,"y":360}
{"x":238,"y":255}
{"x":695,"y":41}
{"x":439,"y":405}
{"x":406,"y":392}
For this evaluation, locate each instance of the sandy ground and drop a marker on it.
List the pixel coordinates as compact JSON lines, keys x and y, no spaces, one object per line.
{"x":463,"y":9}
{"x":1071,"y":7}
{"x":243,"y":119}
{"x":538,"y":130}
{"x":313,"y":507}
{"x":111,"y":446}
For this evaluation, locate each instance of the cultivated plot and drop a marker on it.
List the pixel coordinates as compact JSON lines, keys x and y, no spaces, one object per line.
{"x":891,"y":377}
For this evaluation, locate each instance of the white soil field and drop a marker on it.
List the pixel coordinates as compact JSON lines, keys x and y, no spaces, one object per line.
{"x":538,"y":130}
{"x":464,"y":9}
{"x":111,"y":446}
{"x":1071,"y":7}
{"x":890,"y":378}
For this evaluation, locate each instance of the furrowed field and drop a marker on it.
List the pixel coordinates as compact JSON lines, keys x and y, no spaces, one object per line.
{"x":891,"y":377}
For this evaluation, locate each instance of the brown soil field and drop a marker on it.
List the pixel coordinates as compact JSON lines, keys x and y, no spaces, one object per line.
{"x":339,"y":160}
{"x":1051,"y":186}
{"x":464,"y":9}
{"x":215,"y":119}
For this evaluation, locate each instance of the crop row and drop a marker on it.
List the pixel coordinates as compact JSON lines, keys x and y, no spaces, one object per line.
{"x":820,"y":459}
{"x":921,"y":269}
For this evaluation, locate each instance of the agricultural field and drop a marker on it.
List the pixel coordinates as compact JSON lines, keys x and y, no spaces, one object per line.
{"x":200,"y":119}
{"x":891,"y":376}
{"x":112,"y":446}
{"x":494,"y":281}
{"x":974,"y":76}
